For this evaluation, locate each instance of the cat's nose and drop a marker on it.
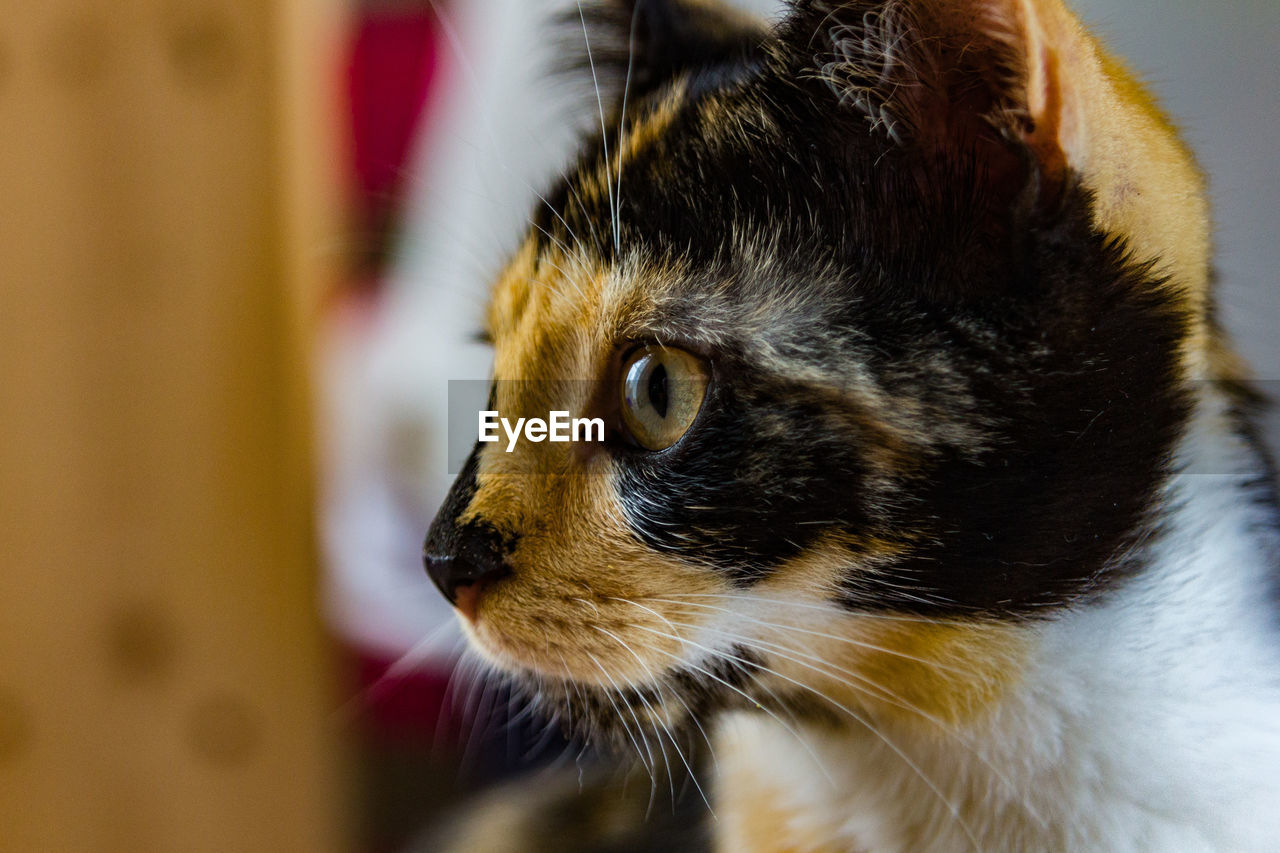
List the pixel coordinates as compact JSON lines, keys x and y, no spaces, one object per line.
{"x":472,"y":559}
{"x":452,"y":574}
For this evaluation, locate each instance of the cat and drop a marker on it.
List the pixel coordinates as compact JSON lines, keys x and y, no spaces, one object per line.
{"x":930,"y":497}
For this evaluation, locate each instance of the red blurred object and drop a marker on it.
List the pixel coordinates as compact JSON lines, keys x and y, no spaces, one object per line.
{"x":394,"y":72}
{"x":408,"y":730}
{"x":406,"y":705}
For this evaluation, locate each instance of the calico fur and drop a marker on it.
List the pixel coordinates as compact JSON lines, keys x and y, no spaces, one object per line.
{"x":969,"y":546}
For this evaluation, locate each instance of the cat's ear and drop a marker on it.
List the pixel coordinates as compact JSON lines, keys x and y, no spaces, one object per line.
{"x":986,"y":82}
{"x":641,"y":45}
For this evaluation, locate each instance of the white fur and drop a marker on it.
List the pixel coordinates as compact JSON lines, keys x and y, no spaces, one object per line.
{"x":1147,"y":721}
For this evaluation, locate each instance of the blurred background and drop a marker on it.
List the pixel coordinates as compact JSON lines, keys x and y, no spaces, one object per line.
{"x":244,"y":247}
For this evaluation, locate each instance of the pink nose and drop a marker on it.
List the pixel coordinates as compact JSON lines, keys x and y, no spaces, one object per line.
{"x":468,"y":600}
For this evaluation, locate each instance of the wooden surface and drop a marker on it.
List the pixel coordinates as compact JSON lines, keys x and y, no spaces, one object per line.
{"x":163,"y":219}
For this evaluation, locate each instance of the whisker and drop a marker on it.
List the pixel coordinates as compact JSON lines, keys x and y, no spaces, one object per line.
{"x":591,"y":222}
{"x":604,"y":133}
{"x":666,"y":761}
{"x":449,"y":699}
{"x":640,"y":753}
{"x":676,"y":693}
{"x":872,"y":688}
{"x":622,"y":125}
{"x":850,"y":640}
{"x":752,"y":598}
{"x":479,"y":732}
{"x":652,"y":764}
{"x":473,"y":81}
{"x":390,"y":679}
{"x":662,"y":725}
{"x":566,"y":277}
{"x":754,"y":703}
{"x":915,"y":768}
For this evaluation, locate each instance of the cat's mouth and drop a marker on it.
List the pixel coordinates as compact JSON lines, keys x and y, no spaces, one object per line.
{"x":562,"y":630}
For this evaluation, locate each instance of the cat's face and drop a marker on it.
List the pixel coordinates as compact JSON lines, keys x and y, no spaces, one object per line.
{"x":878,"y":385}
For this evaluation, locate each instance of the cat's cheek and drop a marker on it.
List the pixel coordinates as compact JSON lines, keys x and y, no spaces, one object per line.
{"x":882,"y":665}
{"x":926,"y":675}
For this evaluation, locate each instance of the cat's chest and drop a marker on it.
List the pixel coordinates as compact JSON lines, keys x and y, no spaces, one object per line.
{"x":1124,"y":733}
{"x":780,"y":789}
{"x":783,"y":809}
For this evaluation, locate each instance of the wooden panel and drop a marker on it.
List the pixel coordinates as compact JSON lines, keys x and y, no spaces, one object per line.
{"x":162,"y":204}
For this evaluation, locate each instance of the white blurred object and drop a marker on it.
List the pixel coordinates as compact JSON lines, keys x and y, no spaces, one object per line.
{"x":498,"y":130}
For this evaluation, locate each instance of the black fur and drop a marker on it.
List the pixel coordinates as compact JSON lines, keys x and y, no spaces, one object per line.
{"x":898,"y":260}
{"x":456,"y":554}
{"x":644,"y":44}
{"x":618,"y":717}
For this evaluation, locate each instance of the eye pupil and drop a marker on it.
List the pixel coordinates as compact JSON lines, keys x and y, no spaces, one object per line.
{"x":658,"y":395}
{"x":662,"y":392}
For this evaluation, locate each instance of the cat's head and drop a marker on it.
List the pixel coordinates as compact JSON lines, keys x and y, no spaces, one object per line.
{"x":887,"y":311}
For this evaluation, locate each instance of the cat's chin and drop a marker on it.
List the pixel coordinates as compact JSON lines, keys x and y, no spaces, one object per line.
{"x":606,"y":710}
{"x":627,"y":716}
{"x":606,"y":717}
{"x":586,"y":660}
{"x":611,"y":698}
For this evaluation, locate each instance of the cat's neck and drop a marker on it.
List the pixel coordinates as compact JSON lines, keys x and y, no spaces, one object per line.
{"x":1145,"y":720}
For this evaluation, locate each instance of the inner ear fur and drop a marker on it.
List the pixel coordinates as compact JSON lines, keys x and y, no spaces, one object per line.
{"x":954,"y":80}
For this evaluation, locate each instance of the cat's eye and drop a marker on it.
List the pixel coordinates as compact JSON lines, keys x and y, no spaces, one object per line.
{"x":662,"y":391}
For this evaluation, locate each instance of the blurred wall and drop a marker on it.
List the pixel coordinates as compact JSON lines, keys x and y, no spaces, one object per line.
{"x":162,"y":224}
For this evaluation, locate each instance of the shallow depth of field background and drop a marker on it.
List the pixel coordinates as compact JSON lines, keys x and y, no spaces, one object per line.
{"x":244,"y":245}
